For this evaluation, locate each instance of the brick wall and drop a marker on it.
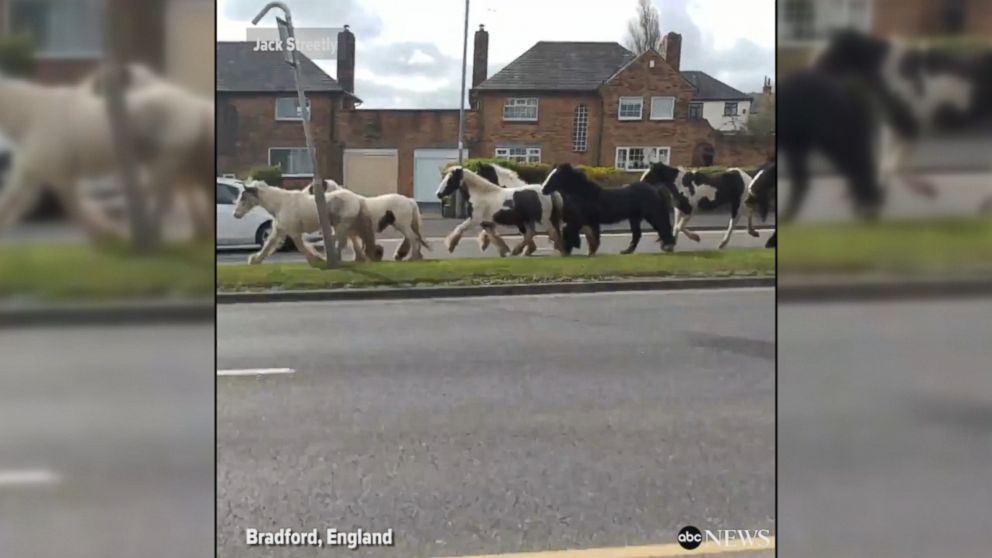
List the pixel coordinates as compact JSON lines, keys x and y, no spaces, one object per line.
{"x":405,"y":131}
{"x":640,"y":79}
{"x":255,"y":130}
{"x":552,"y":132}
{"x":743,"y":151}
{"x":913,"y":17}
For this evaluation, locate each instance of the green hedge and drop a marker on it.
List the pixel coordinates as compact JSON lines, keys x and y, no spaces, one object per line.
{"x":16,"y":56}
{"x":535,"y":173}
{"x":271,"y":175}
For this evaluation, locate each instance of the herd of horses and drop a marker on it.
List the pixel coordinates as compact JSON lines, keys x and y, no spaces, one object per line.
{"x":566,"y":205}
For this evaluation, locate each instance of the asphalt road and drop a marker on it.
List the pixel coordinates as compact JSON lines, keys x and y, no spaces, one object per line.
{"x":483,"y":425}
{"x":958,"y":194}
{"x":612,"y":243}
{"x":106,"y":442}
{"x":885,"y":423}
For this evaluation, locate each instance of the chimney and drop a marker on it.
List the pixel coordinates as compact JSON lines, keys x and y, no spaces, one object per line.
{"x":480,"y":63}
{"x":671,"y":49}
{"x":346,"y":64}
{"x":767,"y":89}
{"x":480,"y":56}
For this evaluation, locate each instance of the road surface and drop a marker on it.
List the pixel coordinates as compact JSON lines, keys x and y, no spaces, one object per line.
{"x":612,"y":243}
{"x":885,"y":418}
{"x":106,"y":442}
{"x":482,"y":425}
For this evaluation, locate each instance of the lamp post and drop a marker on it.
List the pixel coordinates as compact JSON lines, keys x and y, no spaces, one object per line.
{"x":286,"y":32}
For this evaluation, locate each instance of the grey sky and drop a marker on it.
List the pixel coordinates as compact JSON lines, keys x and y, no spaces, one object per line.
{"x":408,"y":54}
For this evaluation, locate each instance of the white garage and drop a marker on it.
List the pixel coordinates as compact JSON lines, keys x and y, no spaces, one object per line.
{"x":427,"y":165}
{"x":371,"y":172}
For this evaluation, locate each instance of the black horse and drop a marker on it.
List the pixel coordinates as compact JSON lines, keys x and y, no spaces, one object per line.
{"x":761,"y":197}
{"x":588,"y":204}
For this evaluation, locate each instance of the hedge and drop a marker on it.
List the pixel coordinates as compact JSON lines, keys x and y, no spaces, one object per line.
{"x":16,"y":56}
{"x":271,"y":175}
{"x":535,"y":173}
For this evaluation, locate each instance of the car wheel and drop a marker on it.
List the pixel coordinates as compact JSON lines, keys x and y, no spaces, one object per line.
{"x":262,"y":235}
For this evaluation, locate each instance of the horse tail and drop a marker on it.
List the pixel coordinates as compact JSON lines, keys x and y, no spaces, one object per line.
{"x":415,"y":224}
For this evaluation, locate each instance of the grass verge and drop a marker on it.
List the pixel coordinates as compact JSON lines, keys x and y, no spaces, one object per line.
{"x":483,"y":271}
{"x":931,"y":247}
{"x":86,"y":273}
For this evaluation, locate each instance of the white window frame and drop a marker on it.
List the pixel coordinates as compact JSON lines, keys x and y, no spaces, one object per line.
{"x":296,"y":103}
{"x":529,"y":151}
{"x":73,"y":53}
{"x":640,"y":112}
{"x":527,"y":102}
{"x":580,"y":129}
{"x":672,"y":117}
{"x":286,"y":174}
{"x":626,"y":148}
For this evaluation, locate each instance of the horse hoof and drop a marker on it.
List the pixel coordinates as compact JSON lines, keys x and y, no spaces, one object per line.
{"x":667,"y":247}
{"x":755,"y":234}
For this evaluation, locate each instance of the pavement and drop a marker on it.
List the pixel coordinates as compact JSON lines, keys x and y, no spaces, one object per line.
{"x":107,"y":437}
{"x":485,"y":425}
{"x":884,"y":424}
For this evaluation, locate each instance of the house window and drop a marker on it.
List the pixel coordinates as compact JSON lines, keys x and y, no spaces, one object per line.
{"x":695,"y":111}
{"x":730,"y":109}
{"x":519,"y":154}
{"x":799,"y":19}
{"x":288,"y":108}
{"x":580,"y":129}
{"x":228,"y":142}
{"x":630,"y":108}
{"x":662,"y":108}
{"x":293,"y":161}
{"x":640,"y":158}
{"x":520,"y":109}
{"x":58,"y":28}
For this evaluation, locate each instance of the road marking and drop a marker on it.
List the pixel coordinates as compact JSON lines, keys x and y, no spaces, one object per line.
{"x":28,"y":477}
{"x":650,"y":551}
{"x":255,"y":371}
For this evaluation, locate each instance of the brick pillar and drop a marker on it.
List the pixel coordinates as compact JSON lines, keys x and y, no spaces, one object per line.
{"x":346,"y":65}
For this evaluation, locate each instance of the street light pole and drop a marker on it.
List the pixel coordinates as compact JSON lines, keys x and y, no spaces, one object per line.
{"x":461,"y":105}
{"x":331,"y":255}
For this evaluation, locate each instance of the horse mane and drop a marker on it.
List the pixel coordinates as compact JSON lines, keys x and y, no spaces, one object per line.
{"x":482,"y":182}
{"x":576,"y":182}
{"x":508,"y":177}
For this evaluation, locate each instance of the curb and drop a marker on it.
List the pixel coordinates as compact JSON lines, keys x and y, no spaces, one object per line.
{"x":399,"y":293}
{"x":881,"y":289}
{"x":110,"y":313}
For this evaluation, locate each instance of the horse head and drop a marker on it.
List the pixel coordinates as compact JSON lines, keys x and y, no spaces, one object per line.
{"x":854,"y":54}
{"x":561,"y":178}
{"x":247,"y":200}
{"x":453,"y":180}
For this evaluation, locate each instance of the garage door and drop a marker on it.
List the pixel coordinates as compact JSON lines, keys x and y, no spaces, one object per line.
{"x":427,"y":165}
{"x":371,"y":172}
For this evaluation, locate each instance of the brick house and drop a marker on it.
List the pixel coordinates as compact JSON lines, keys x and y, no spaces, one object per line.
{"x":558,"y":102}
{"x":599,"y":104}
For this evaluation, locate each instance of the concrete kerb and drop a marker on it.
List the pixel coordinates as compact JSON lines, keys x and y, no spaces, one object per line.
{"x":509,"y":289}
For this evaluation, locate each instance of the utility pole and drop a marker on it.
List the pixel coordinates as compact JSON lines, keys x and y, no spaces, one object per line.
{"x":461,"y":112}
{"x":286,"y":33}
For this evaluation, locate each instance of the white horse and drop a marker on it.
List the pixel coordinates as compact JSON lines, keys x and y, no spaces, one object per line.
{"x":62,"y":134}
{"x":295,"y":215}
{"x":522,"y":206}
{"x":397,"y":210}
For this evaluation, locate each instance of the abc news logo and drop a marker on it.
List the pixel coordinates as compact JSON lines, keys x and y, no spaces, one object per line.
{"x":690,"y":537}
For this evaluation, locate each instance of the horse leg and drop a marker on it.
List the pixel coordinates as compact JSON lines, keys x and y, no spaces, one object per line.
{"x":276,"y":238}
{"x":635,"y":235}
{"x":660,"y":223}
{"x":501,"y":245}
{"x":799,"y":174}
{"x":734,"y":213}
{"x":451,"y":241}
{"x":593,"y":236}
{"x":483,"y":240}
{"x":313,"y":258}
{"x":527,"y":240}
{"x":402,"y":250}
